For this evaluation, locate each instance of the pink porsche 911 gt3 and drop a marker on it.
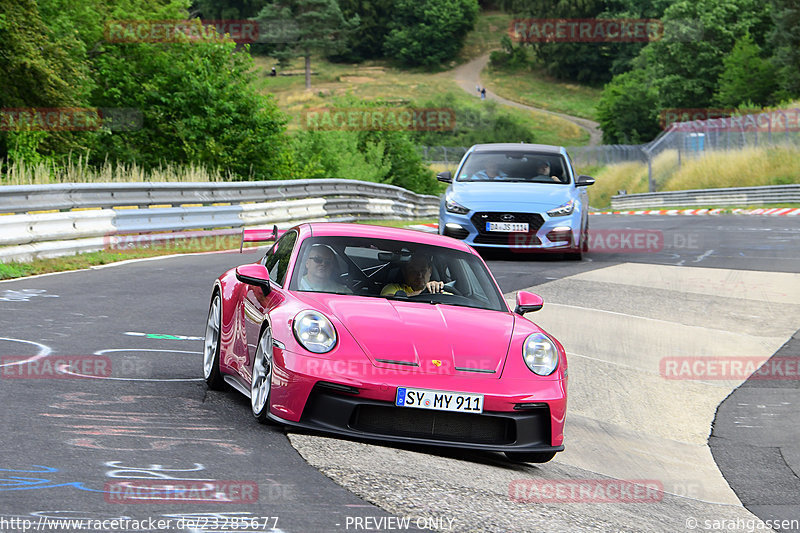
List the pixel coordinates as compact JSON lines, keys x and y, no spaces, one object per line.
{"x":387,"y":334}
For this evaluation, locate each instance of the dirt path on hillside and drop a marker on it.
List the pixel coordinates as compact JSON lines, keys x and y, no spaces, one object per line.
{"x":467,"y":76}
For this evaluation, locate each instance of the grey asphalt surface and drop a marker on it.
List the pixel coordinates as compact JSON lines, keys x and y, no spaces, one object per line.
{"x":65,"y":440}
{"x":756,"y":440}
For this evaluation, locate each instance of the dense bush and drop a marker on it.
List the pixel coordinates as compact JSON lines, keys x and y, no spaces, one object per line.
{"x":192,"y":99}
{"x":481,"y":122}
{"x":429,"y":33}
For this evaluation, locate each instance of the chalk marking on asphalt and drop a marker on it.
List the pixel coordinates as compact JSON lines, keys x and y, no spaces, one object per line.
{"x":44,"y":351}
{"x":64,"y":368}
{"x":701,"y":257}
{"x":165,"y":336}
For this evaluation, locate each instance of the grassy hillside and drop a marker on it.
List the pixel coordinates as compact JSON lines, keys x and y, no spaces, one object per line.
{"x":539,"y":90}
{"x":381,"y":82}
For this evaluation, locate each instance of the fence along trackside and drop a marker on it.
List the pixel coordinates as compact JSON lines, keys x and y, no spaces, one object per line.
{"x":32,"y":235}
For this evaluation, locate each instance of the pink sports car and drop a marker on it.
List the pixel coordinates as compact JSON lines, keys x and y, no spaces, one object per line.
{"x":387,"y":334}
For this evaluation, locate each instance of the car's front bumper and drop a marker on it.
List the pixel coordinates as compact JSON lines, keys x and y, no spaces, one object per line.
{"x":554,"y":234}
{"x":359,"y":401}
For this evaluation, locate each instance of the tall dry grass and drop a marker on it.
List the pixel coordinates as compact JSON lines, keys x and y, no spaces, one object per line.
{"x":79,"y":171}
{"x":749,"y":167}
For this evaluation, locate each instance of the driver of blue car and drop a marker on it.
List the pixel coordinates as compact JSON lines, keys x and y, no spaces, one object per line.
{"x":416,"y":278}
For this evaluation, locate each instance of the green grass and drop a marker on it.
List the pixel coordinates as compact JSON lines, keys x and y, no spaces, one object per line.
{"x":489,"y":28}
{"x":374,"y":82}
{"x":536,"y":89}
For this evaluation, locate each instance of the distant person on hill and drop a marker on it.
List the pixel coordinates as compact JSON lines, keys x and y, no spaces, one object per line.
{"x":483,"y":93}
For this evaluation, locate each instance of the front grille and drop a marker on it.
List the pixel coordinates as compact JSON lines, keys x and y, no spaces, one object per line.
{"x":534,"y":221}
{"x":438,"y":425}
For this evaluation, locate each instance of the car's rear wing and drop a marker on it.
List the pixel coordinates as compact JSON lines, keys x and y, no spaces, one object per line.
{"x":260,"y":235}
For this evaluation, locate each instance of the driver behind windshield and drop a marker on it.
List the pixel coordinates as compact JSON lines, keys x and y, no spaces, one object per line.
{"x":416,"y":278}
{"x":492,"y":171}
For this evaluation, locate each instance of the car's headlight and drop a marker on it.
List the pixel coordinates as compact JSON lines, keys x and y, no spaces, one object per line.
{"x":314,"y":331}
{"x":563,"y":209}
{"x":454,"y":207}
{"x":540,"y":354}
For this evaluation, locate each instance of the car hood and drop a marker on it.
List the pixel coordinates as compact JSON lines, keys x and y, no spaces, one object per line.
{"x":415,"y":336}
{"x":511,"y":196}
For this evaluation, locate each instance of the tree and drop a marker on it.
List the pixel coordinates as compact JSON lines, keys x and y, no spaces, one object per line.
{"x":785,"y":39}
{"x":747,"y":77}
{"x":683,"y":68}
{"x":227,"y":9}
{"x":686,"y":69}
{"x":197,"y":105}
{"x":628,"y":110}
{"x":429,"y":33}
{"x":366,"y":41}
{"x":590,"y":62}
{"x":317,"y":26}
{"x":38,"y":71}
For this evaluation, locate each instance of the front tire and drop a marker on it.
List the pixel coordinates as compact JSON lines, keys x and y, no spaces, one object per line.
{"x":530,"y":457}
{"x":211,"y":345}
{"x":261,"y":381}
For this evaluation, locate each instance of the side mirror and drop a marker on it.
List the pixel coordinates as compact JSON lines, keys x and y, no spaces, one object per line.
{"x":584,"y":181}
{"x":527,"y":302}
{"x":445,"y":176}
{"x":256,"y":275}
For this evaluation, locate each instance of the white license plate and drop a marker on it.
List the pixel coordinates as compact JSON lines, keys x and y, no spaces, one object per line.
{"x":439,"y":400}
{"x":507,"y":226}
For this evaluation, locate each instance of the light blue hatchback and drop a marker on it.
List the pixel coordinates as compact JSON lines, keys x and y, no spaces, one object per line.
{"x":522,"y":197}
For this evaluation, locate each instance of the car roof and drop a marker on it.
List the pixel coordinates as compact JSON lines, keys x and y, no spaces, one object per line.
{"x":342,"y":229}
{"x":518,"y":147}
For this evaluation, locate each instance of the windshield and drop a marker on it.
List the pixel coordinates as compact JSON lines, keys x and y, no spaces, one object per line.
{"x":514,"y":166}
{"x":392,"y":269}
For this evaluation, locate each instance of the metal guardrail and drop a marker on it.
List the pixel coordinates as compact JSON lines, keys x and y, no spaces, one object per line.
{"x":66,"y":196}
{"x":70,"y":231}
{"x":740,"y":196}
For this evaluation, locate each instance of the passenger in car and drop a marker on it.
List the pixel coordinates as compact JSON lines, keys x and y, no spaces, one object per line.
{"x":322,"y":271}
{"x":416,"y":278}
{"x":543,"y":171}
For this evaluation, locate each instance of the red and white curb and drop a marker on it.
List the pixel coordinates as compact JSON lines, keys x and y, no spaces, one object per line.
{"x":777,"y":211}
{"x":427,"y":228}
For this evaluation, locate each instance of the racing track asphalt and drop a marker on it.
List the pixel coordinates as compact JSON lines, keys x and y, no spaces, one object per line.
{"x":86,"y":431}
